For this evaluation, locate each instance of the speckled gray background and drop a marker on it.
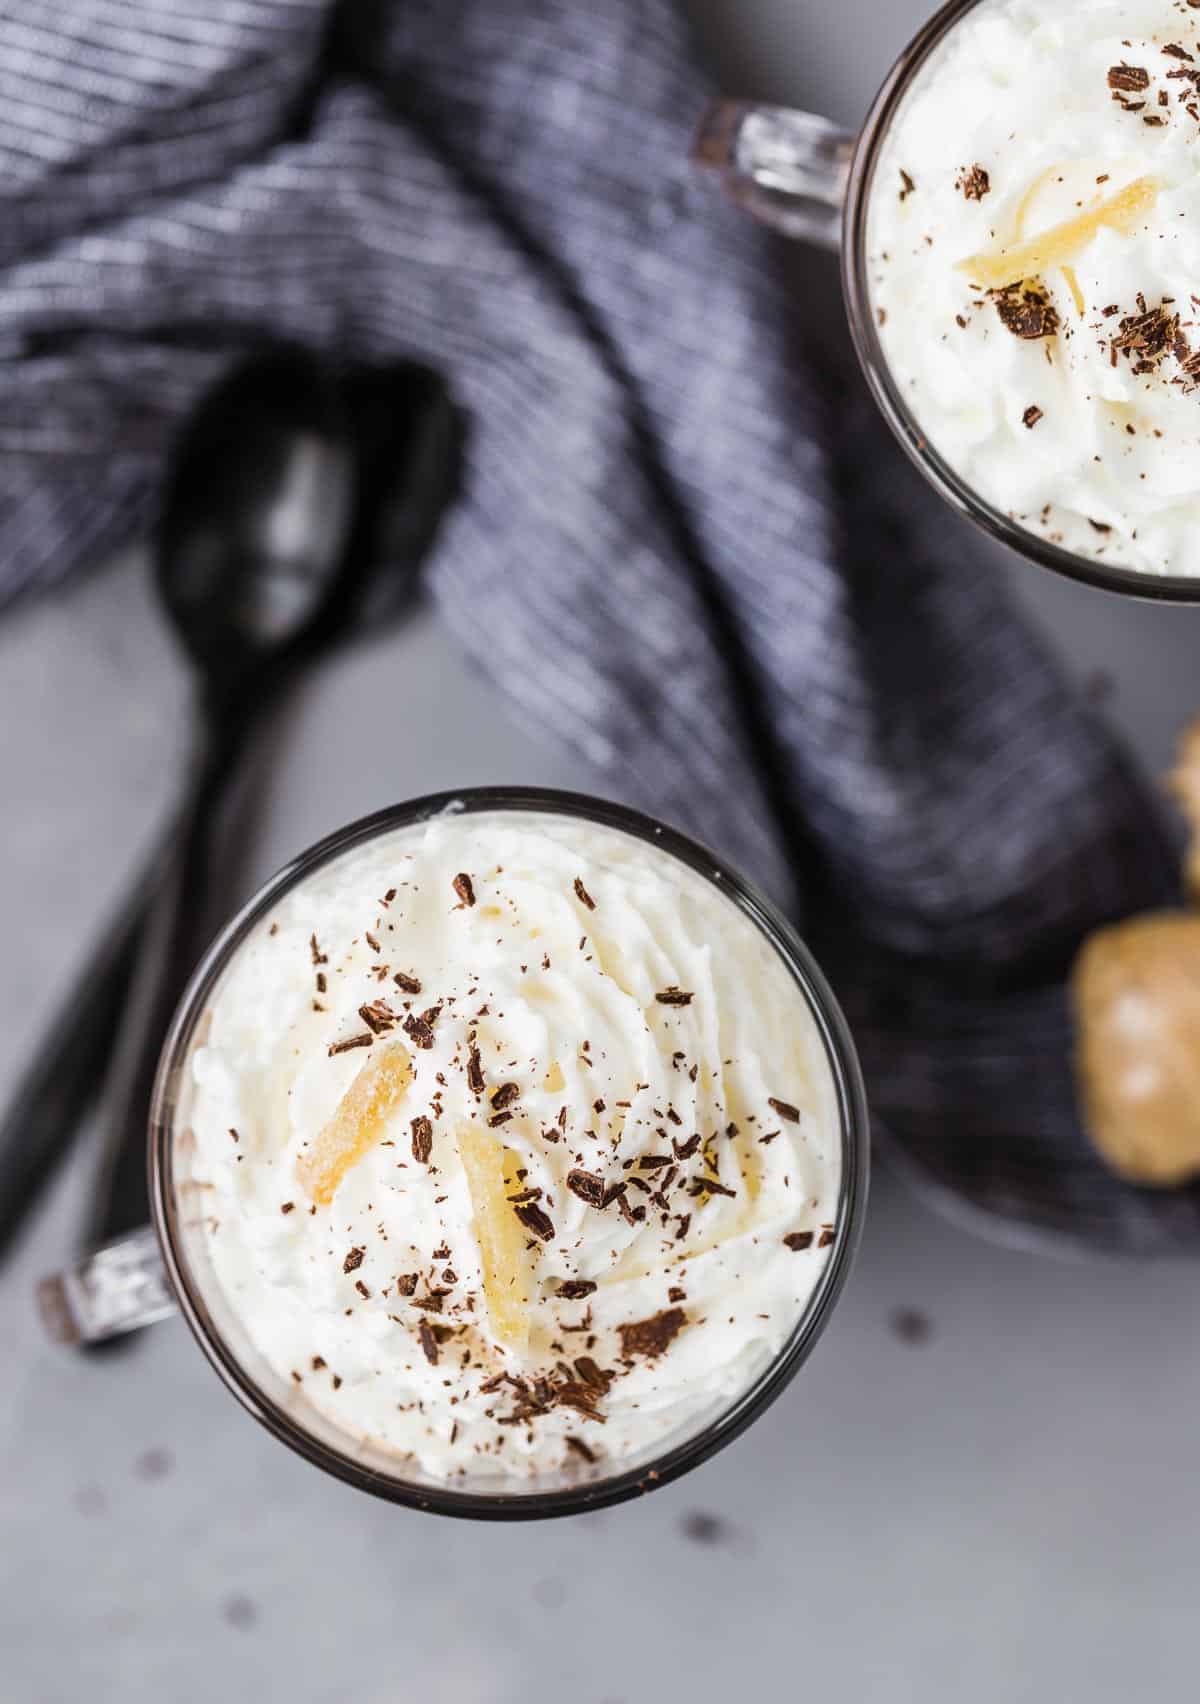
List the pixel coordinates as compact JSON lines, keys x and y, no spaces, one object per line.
{"x":1005,"y":1510}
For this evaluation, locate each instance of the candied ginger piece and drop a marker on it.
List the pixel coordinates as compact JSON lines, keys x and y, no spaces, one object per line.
{"x":1062,"y":243}
{"x":1136,"y":997}
{"x":1072,"y":282}
{"x":359,"y":1121}
{"x":491,"y":1178}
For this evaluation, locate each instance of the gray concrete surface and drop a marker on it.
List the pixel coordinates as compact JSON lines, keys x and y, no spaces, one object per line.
{"x":1002,"y":1511}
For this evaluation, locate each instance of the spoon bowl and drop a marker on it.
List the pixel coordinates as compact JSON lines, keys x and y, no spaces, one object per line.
{"x":256,"y":514}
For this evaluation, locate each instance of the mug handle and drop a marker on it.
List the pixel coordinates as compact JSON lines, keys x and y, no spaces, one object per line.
{"x":790,"y":169}
{"x":115,"y":1289}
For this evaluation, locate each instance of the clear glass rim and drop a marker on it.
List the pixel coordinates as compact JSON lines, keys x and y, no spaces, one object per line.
{"x":851,"y":1095}
{"x":1128,"y":582}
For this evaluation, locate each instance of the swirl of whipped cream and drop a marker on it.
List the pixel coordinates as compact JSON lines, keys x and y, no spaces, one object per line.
{"x":524,"y":1145}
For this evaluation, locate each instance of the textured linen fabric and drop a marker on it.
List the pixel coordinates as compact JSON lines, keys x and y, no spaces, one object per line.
{"x":681,"y":548}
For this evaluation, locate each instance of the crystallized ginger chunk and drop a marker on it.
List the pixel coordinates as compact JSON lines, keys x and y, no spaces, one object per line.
{"x":359,"y":1121}
{"x":491,"y":1179}
{"x":1062,"y":243}
{"x":1136,"y":993}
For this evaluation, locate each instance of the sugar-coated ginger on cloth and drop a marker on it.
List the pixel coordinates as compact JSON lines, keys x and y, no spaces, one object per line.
{"x":1135,"y":990}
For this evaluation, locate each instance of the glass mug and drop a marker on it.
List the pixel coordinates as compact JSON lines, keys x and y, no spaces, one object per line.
{"x":157,"y":1271}
{"x":810,"y":178}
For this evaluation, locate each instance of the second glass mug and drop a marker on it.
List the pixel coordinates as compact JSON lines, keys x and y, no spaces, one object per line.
{"x":152,"y":1273}
{"x":811,"y":178}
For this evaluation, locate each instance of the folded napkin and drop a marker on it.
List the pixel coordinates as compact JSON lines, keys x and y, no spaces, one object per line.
{"x":680,"y":549}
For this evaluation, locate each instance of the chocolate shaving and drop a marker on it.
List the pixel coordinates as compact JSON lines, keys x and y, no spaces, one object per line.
{"x":463,"y":888}
{"x":682,"y":1226}
{"x":378,"y":1016}
{"x":432,"y":1303}
{"x":1174,"y":51}
{"x":785,"y":1109}
{"x":674,"y":997}
{"x":587,"y":1186}
{"x":362,"y":1289}
{"x":353,"y":1260}
{"x":1147,"y":335}
{"x":710,"y":1186}
{"x":422,"y":1140}
{"x":825,"y":1238}
{"x":370,"y":940}
{"x":579,"y":1397}
{"x":1129,"y":79}
{"x":287,"y":1206}
{"x":505,"y":1095}
{"x":1025,"y":310}
{"x":580,"y":1448}
{"x":906,"y":185}
{"x":797,"y":1240}
{"x":653,"y":1162}
{"x":418,"y":1031}
{"x":676,"y":1294}
{"x":575,"y":1289}
{"x":974,"y":182}
{"x":583,"y":895}
{"x":651,"y":1337}
{"x":685,"y":1150}
{"x":475,"y":1078}
{"x":406,"y":1283}
{"x":591,"y":1375}
{"x":1032,"y":415}
{"x":498,"y":1118}
{"x":318,"y":957}
{"x":535,"y":1220}
{"x":428,"y":1342}
{"x":410,"y":984}
{"x":363,"y":1040}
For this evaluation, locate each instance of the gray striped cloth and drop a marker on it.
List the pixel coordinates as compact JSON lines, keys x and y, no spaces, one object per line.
{"x":682,"y":548}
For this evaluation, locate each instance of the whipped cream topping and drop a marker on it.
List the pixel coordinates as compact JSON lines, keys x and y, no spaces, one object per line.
{"x":519,"y":1145}
{"x":1033,"y":247}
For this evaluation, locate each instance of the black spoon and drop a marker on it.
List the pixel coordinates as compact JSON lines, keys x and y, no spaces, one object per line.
{"x":356,"y":566}
{"x":256,"y":522}
{"x":407,"y":436}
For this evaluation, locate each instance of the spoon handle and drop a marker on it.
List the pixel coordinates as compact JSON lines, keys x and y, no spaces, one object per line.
{"x":59,"y":1085}
{"x":173,"y":938}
